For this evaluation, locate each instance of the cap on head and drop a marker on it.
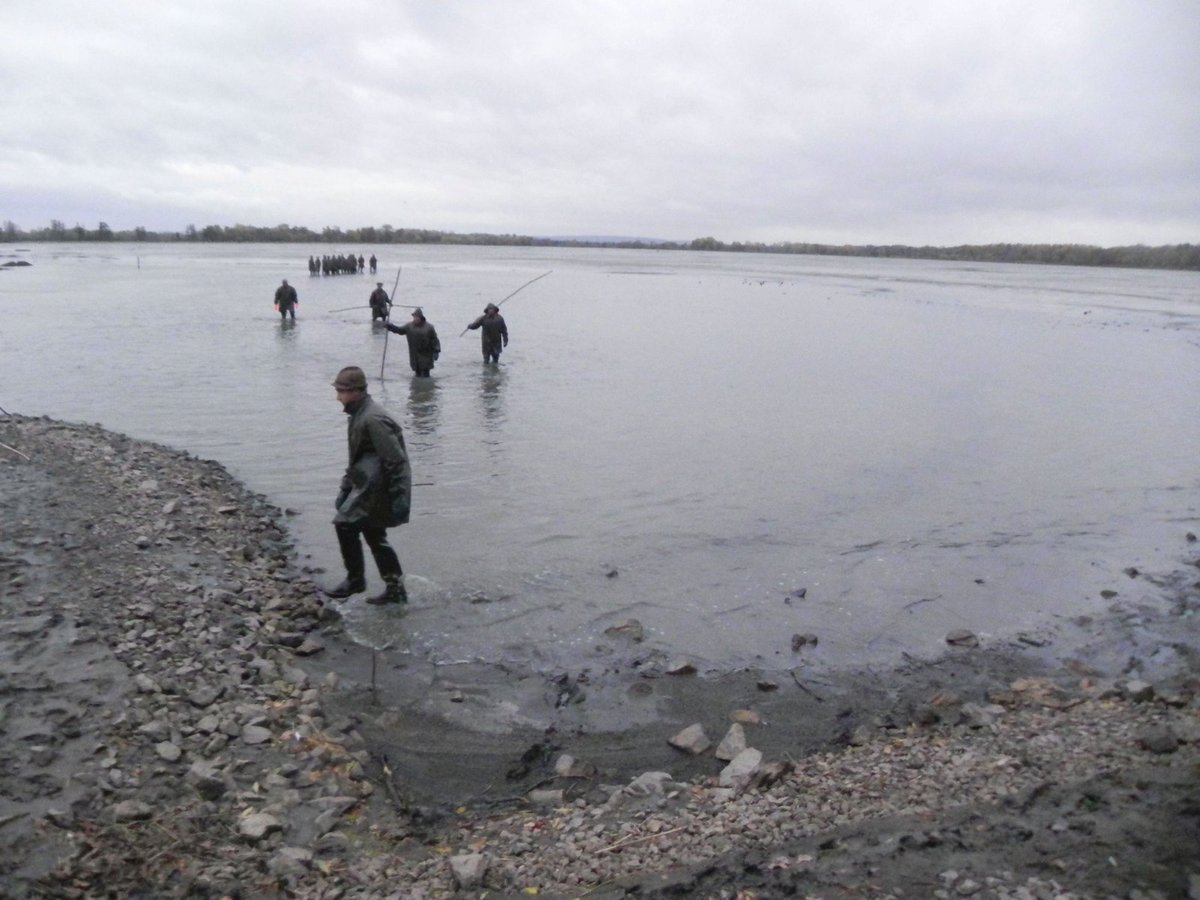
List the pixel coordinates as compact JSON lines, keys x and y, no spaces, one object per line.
{"x":491,"y":307}
{"x":379,"y":284}
{"x":418,"y":313}
{"x":350,"y":378}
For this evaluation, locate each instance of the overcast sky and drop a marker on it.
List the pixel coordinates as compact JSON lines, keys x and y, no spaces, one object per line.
{"x":942,"y":122}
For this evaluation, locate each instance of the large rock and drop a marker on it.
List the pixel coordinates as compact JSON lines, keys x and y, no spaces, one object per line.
{"x":691,"y":740}
{"x":741,"y":769}
{"x":732,"y":744}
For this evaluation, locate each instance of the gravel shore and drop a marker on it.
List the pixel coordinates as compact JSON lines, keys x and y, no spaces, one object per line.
{"x":180,"y":716}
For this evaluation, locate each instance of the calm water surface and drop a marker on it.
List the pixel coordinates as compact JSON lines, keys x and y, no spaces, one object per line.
{"x":921,"y":446}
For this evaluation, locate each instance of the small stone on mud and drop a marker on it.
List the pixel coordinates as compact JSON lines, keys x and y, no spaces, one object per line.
{"x":961,"y":637}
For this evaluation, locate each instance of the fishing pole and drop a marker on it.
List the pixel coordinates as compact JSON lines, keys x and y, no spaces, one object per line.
{"x":368,"y":306}
{"x":387,"y":331}
{"x":514,"y":293}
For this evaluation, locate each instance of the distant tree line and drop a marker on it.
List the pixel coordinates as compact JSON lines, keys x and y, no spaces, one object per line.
{"x":1139,"y":256}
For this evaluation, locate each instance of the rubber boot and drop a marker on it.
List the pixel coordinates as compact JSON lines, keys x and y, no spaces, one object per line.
{"x":348,"y":585}
{"x":393,"y":592}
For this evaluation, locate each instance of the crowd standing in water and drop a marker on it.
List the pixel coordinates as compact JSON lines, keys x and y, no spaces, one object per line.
{"x":340,"y":264}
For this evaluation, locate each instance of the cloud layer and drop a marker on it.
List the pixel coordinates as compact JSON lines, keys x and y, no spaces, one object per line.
{"x":938,"y":122}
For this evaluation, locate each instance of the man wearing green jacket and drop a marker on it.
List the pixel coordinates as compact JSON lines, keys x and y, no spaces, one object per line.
{"x":375,"y":492}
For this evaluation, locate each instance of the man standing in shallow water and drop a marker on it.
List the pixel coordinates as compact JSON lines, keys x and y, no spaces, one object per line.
{"x":423,"y":344}
{"x":375,"y":493}
{"x":286,"y":300}
{"x":495,"y":332}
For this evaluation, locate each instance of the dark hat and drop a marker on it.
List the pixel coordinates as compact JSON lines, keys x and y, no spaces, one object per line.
{"x":490,"y":307}
{"x":418,"y":313}
{"x":350,"y":378}
{"x":379,"y":284}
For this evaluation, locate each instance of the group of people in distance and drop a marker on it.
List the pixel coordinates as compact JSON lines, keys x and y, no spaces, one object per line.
{"x":375,"y":493}
{"x":340,"y":264}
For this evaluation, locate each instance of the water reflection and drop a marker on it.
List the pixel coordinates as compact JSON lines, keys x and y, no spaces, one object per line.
{"x":491,"y":400}
{"x":287,"y":328}
{"x":424,"y":411}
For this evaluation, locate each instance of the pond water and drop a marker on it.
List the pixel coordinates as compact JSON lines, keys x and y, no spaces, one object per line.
{"x":919,"y":446}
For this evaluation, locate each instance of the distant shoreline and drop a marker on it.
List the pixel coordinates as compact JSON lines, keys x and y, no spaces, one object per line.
{"x":1175,"y":257}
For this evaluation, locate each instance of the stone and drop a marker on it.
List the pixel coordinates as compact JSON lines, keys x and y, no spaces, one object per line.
{"x":741,"y":768}
{"x":680,"y":666}
{"x":156,"y":729}
{"x":206,"y":780}
{"x":255,"y":734}
{"x":632,"y":630}
{"x":168,"y":751}
{"x":257,"y":826}
{"x":732,"y":744}
{"x":132,"y":811}
{"x":1158,"y":739}
{"x":145,"y":684}
{"x":1139,"y":691}
{"x":746,"y":717}
{"x":468,"y":869}
{"x":310,"y":647}
{"x":203,"y":696}
{"x":290,"y":861}
{"x":651,"y":784}
{"x":691,"y":740}
{"x":961,"y":637}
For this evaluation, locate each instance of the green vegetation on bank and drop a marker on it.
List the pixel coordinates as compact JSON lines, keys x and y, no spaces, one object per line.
{"x":1173,"y":256}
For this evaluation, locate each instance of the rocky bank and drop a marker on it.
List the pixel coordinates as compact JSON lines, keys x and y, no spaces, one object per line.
{"x":181,"y":717}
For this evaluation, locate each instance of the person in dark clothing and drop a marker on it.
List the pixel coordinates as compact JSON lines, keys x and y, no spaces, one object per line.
{"x":423,"y":344}
{"x":375,"y":493}
{"x":374,"y":263}
{"x":380,"y":304}
{"x":495,"y":333}
{"x":361,"y":262}
{"x":286,"y":300}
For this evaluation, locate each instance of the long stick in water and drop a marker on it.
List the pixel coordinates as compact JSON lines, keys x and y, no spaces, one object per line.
{"x":386,"y":330}
{"x":368,"y":306}
{"x":514,"y":293}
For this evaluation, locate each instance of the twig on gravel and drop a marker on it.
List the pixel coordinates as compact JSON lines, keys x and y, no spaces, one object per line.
{"x":15,"y":450}
{"x":641,"y":838}
{"x":390,"y":786}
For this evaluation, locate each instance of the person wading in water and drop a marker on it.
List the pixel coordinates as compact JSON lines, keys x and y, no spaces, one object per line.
{"x":375,"y":493}
{"x":495,"y":332}
{"x":423,"y":344}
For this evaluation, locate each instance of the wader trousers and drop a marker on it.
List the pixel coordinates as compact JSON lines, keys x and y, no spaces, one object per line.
{"x":352,"y":552}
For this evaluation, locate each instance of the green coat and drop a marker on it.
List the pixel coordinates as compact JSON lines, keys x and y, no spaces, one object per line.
{"x":376,"y":490}
{"x":423,"y":344}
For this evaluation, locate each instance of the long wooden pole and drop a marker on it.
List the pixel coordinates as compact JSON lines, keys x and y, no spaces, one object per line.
{"x":387,"y":331}
{"x":514,"y":293}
